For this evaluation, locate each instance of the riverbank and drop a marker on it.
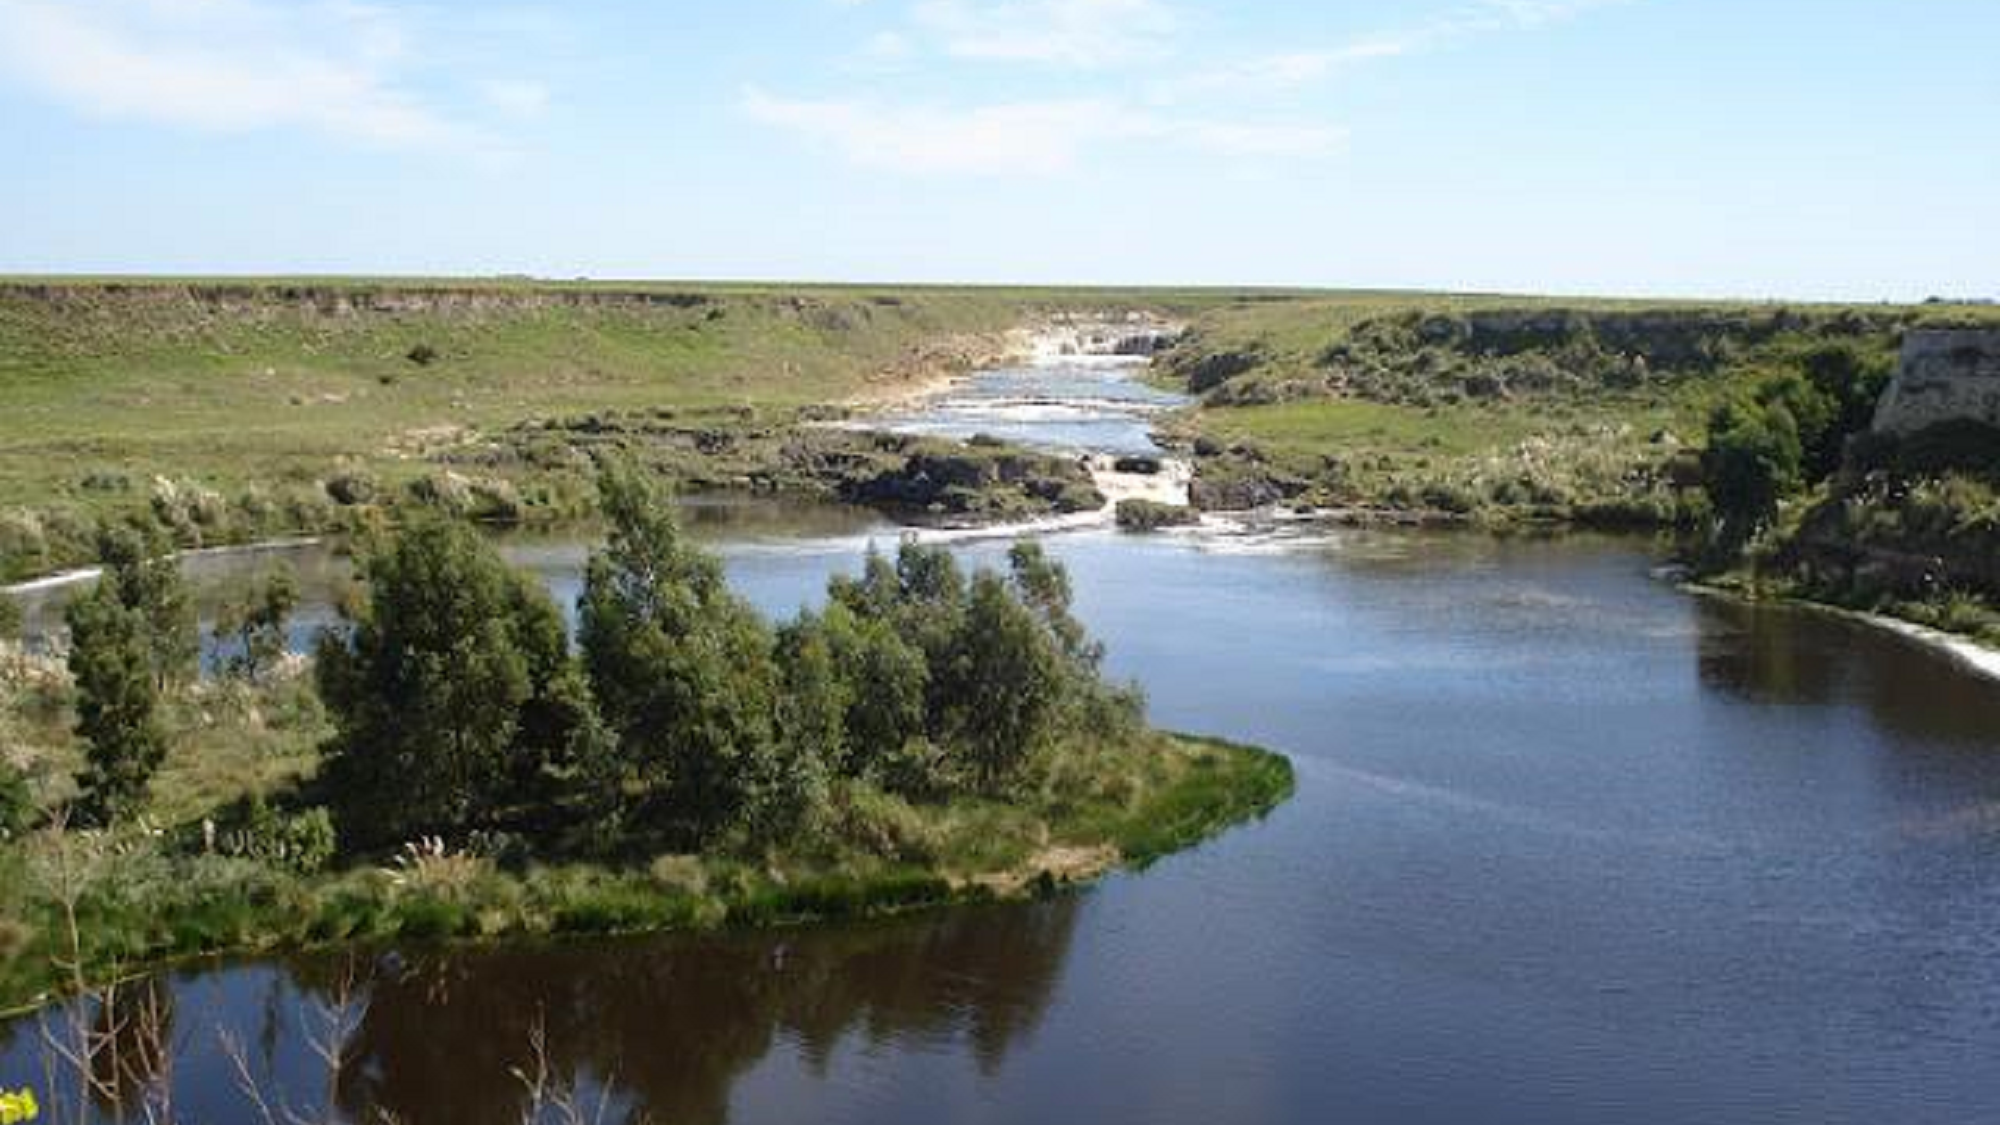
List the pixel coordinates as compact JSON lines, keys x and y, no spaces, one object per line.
{"x":141,"y":907}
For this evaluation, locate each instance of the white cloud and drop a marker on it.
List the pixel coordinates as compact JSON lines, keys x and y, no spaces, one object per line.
{"x":332,"y":66}
{"x":1035,"y":137}
{"x":887,"y":46}
{"x":1300,"y":67}
{"x":1286,"y":70}
{"x":1281,"y":140}
{"x":1080,"y":33}
{"x":517,"y":96}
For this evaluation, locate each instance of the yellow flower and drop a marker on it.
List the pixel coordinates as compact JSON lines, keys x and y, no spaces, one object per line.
{"x":17,"y":1108}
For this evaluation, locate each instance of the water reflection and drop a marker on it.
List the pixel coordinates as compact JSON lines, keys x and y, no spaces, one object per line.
{"x":669,"y":1027}
{"x":662,"y":1029}
{"x":1776,"y":655}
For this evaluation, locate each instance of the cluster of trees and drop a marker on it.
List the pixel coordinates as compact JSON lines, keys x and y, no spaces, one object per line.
{"x":676,"y":717}
{"x":1788,"y":432}
{"x":681,"y":718}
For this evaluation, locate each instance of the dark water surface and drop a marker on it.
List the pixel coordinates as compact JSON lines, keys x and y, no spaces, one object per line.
{"x":1568,"y":846}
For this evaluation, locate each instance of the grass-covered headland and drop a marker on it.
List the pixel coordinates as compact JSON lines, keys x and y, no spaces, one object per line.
{"x":448,"y":764}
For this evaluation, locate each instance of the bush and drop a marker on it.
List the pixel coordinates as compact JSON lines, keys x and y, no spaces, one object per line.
{"x":349,"y":489}
{"x":1150,"y":515}
{"x":17,"y":801}
{"x":884,"y":825}
{"x":303,"y":843}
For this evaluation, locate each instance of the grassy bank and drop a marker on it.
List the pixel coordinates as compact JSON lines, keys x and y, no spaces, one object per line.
{"x":1491,"y":409}
{"x":1907,"y":528}
{"x":140,"y":902}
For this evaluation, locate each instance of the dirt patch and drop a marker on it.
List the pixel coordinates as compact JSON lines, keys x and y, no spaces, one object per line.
{"x":1061,"y":863}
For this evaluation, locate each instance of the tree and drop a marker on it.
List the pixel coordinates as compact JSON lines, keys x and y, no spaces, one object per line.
{"x":1815,"y":417}
{"x":1751,"y":462}
{"x":450,"y":687}
{"x":681,"y":668}
{"x":1043,"y":583}
{"x":1854,"y":380}
{"x":1005,"y":676}
{"x":886,"y":681}
{"x":256,"y":625}
{"x":144,"y":576}
{"x":1090,"y":707}
{"x":813,"y":699}
{"x":814,"y":695}
{"x":117,"y":706}
{"x":876,"y":594}
{"x":929,"y":616}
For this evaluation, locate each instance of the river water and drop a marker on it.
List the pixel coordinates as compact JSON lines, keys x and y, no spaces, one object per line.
{"x":1568,"y":846}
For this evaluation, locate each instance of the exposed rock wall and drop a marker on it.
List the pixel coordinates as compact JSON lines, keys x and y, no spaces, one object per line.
{"x":1944,"y":375}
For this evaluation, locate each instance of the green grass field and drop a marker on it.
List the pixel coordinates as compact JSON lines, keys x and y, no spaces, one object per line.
{"x":249,"y":395}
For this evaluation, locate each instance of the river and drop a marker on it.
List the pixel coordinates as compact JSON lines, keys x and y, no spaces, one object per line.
{"x":1568,"y":846}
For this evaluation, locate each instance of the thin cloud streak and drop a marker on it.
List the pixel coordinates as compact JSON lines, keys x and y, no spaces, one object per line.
{"x":1297,"y":68}
{"x":1079,"y":33}
{"x":1031,"y":137}
{"x":334,"y":67}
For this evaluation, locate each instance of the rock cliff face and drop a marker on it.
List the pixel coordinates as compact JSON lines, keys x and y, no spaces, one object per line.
{"x":1945,"y":375}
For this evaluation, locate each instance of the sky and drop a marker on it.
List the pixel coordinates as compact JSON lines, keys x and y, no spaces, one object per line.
{"x":1785,"y":149}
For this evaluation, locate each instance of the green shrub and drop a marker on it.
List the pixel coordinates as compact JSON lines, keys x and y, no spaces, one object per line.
{"x":1149,"y":515}
{"x":303,"y":843}
{"x":885,"y":825}
{"x":17,"y":801}
{"x":426,"y":918}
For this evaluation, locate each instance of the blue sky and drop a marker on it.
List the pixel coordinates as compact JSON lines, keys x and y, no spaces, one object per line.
{"x":1780,"y":148}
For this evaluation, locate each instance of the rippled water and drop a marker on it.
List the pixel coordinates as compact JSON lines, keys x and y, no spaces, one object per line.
{"x":1568,"y":846}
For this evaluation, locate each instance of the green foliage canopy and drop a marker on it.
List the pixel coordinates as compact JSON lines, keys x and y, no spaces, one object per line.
{"x":451,"y":689}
